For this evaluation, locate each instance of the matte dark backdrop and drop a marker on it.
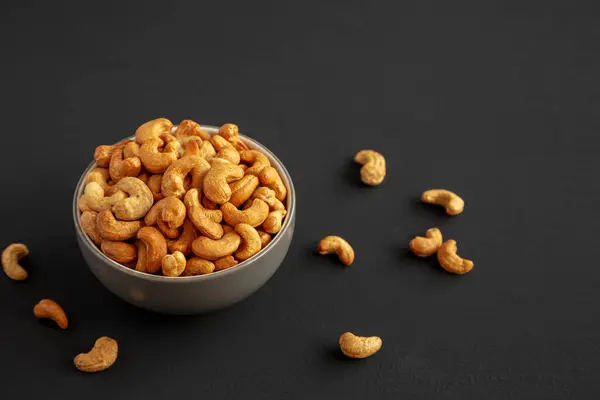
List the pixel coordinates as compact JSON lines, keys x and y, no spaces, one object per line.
{"x":498,"y":101}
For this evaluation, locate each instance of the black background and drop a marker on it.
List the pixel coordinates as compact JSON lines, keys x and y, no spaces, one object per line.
{"x":498,"y":101}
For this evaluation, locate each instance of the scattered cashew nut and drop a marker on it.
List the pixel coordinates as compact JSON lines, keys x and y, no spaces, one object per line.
{"x":451,"y":261}
{"x":47,"y":308}
{"x":452,"y":202}
{"x":10,"y":261}
{"x":373,"y":167}
{"x":426,"y":246}
{"x":359,"y":346}
{"x":102,"y":356}
{"x":337,"y":245}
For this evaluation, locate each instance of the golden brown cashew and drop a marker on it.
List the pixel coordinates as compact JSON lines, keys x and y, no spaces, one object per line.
{"x":198,"y":266}
{"x":173,"y":178}
{"x":274,"y":221}
{"x":82,"y":205}
{"x":131,"y":149}
{"x":168,"y":233}
{"x":265,"y":238}
{"x":120,"y":167}
{"x":144,"y":177}
{"x":109,"y":228}
{"x":337,"y":245}
{"x":229,"y":130}
{"x":225,"y":262}
{"x":101,"y":176}
{"x":359,"y":346}
{"x":95,"y":199}
{"x":209,"y":205}
{"x":206,"y":150}
{"x":138,"y":203}
{"x":242,"y":190}
{"x":102,"y":155}
{"x":373,"y":167}
{"x":268,"y":196}
{"x":173,"y":264}
{"x":102,"y":356}
{"x":451,"y":261}
{"x":256,"y":159}
{"x":154,"y":184}
{"x":10,"y":261}
{"x":426,"y":246}
{"x":209,"y":249}
{"x":270,"y":177}
{"x":238,"y":143}
{"x":154,"y":247}
{"x":188,"y":128}
{"x":183,"y":243}
{"x":170,"y":210}
{"x":207,"y":221}
{"x":216,"y":181}
{"x":153,"y":130}
{"x":225,"y":150}
{"x":87,"y":220}
{"x":192,"y":148}
{"x":47,"y":308}
{"x":155,"y":161}
{"x":251,"y":243}
{"x":253,"y":216}
{"x":453,"y":204}
{"x":120,"y":252}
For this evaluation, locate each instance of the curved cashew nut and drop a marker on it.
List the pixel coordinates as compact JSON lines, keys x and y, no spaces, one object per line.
{"x":87,"y":220}
{"x":153,"y":130}
{"x":209,"y":205}
{"x":216,"y":181}
{"x":207,"y":221}
{"x":47,"y":308}
{"x":155,"y":161}
{"x":10,"y":261}
{"x":102,"y":155}
{"x":154,"y":184}
{"x":253,"y":216}
{"x":274,"y":221}
{"x":198,"y":266}
{"x":173,"y":178}
{"x":82,"y":204}
{"x":238,"y":143}
{"x":188,"y":128}
{"x":242,"y":190}
{"x":120,"y":252}
{"x":118,"y":231}
{"x":225,"y":150}
{"x":251,"y":243}
{"x":154,"y":248}
{"x":359,"y":346}
{"x":138,"y":203}
{"x":131,"y":149}
{"x":256,"y":159}
{"x":337,"y":245}
{"x":225,"y":262}
{"x":102,"y":356}
{"x":206,"y":150}
{"x":451,"y":261}
{"x":169,"y":210}
{"x":120,"y":167}
{"x":452,"y":202}
{"x":95,"y":199}
{"x":265,"y":238}
{"x":209,"y":249}
{"x":183,"y":243}
{"x":229,"y":130}
{"x":101,"y":176}
{"x":270,"y":177}
{"x":168,"y":233}
{"x":268,"y":196}
{"x":173,"y":264}
{"x":426,"y":246}
{"x":373,"y":167}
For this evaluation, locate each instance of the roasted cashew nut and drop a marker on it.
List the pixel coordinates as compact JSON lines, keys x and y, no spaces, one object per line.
{"x":225,"y":263}
{"x":198,"y":266}
{"x":102,"y":356}
{"x":120,"y":252}
{"x":153,"y":130}
{"x":274,"y":221}
{"x":238,"y":143}
{"x":257,"y":161}
{"x":452,"y":202}
{"x":251,"y":243}
{"x":154,"y":184}
{"x":359,"y":346}
{"x":268,"y":196}
{"x":173,"y":264}
{"x":118,"y":231}
{"x":183,"y":243}
{"x":337,"y":245}
{"x":207,"y":221}
{"x":155,"y":161}
{"x":10,"y":261}
{"x":102,"y":155}
{"x":121,"y":167}
{"x":426,"y":246}
{"x":242,"y":190}
{"x":225,"y":150}
{"x":451,"y":261}
{"x":95,"y":199}
{"x":82,"y":204}
{"x":138,"y":203}
{"x":373,"y":167}
{"x":173,"y":178}
{"x":101,"y":176}
{"x":87,"y":220}
{"x":210,"y":249}
{"x":190,"y":129}
{"x":270,"y":177}
{"x":265,"y":238}
{"x":47,"y":308}
{"x":255,"y":215}
{"x":206,"y":150}
{"x":216,"y":181}
{"x":154,"y":248}
{"x":229,"y":131}
{"x":169,"y":210}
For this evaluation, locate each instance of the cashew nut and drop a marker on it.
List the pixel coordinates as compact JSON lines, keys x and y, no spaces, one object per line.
{"x":451,"y":261}
{"x":82,"y":204}
{"x":251,"y":243}
{"x":144,"y":177}
{"x":173,"y":178}
{"x":270,"y":177}
{"x":268,"y":196}
{"x":209,"y":205}
{"x":242,"y":190}
{"x":216,"y":181}
{"x":101,"y":176}
{"x":138,"y":203}
{"x":120,"y":168}
{"x":265,"y":238}
{"x":337,"y":245}
{"x":274,"y":221}
{"x":188,"y":128}
{"x":207,"y":221}
{"x":225,"y":150}
{"x":102,"y":356}
{"x":153,"y":130}
{"x":154,"y":248}
{"x":169,"y":233}
{"x":426,"y":246}
{"x":87,"y":220}
{"x":170,"y":210}
{"x":131,"y":149}
{"x":373,"y":167}
{"x":229,"y":130}
{"x":198,"y":266}
{"x":102,"y":155}
{"x":121,"y":252}
{"x":452,"y":202}
{"x":359,"y":346}
{"x":109,"y":228}
{"x":173,"y":264}
{"x":238,"y":143}
{"x":95,"y":200}
{"x":154,"y":184}
{"x":210,"y":249}
{"x":10,"y":261}
{"x":225,"y":262}
{"x":47,"y":308}
{"x":254,"y":215}
{"x":256,"y":159}
{"x":183,"y":243}
{"x":206,"y":150}
{"x":155,"y":161}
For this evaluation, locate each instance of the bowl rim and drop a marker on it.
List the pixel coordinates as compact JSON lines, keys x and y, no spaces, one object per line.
{"x":86,"y":241}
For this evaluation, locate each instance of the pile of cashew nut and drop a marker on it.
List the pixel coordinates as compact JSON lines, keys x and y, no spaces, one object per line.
{"x":179,"y":202}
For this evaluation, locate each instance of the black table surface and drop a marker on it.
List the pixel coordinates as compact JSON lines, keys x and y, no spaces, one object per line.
{"x":498,"y":101}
